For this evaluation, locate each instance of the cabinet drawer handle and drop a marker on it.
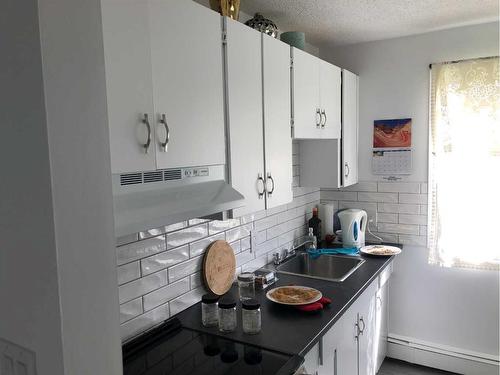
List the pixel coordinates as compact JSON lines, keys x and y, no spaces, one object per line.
{"x":260,"y":181}
{"x":323,"y":123}
{"x":318,"y":117}
{"x":164,"y":145}
{"x":347,"y":170}
{"x":145,"y":121}
{"x":270,"y":192}
{"x":335,"y":362}
{"x":362,"y":330}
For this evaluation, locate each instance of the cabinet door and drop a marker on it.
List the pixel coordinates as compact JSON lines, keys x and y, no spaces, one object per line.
{"x":186,"y":49}
{"x":381,"y":326}
{"x":332,"y":348}
{"x":367,"y":346}
{"x":311,"y":361}
{"x":277,"y":114}
{"x":244,"y":101}
{"x":305,"y":95}
{"x":347,"y":350}
{"x":349,"y":128}
{"x":330,"y":96}
{"x":129,"y":84}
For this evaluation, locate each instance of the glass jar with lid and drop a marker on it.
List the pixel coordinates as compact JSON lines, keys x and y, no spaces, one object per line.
{"x":209,"y":313}
{"x":251,"y":317}
{"x":227,"y":314}
{"x":246,"y":285}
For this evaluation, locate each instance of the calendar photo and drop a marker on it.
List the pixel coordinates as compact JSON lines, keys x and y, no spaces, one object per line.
{"x":392,"y":133}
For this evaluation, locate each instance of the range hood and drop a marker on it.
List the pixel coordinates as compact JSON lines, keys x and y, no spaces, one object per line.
{"x":148,"y":200}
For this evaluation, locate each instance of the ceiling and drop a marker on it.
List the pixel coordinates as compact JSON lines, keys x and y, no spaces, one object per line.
{"x":341,"y":22}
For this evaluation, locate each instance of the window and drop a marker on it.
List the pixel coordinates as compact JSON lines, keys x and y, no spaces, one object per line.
{"x":464,"y":164}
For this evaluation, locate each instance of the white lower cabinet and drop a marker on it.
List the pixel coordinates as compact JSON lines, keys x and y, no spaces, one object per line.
{"x":357,"y":342}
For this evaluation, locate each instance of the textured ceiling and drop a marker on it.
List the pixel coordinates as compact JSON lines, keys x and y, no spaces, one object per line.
{"x":341,"y":22}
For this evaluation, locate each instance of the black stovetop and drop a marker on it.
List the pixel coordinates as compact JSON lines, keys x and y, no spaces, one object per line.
{"x":171,"y":349}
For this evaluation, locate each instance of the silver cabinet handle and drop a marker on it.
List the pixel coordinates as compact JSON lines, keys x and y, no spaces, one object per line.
{"x":323,"y":119}
{"x":347,"y":170}
{"x":270,"y":177}
{"x":362,"y":330}
{"x":318,"y":117}
{"x":335,"y":362}
{"x":164,"y":145}
{"x":326,"y":118}
{"x":260,"y":179}
{"x":145,"y":121}
{"x":320,"y":347}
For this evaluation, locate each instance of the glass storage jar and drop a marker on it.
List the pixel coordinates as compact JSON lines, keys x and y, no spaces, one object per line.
{"x":209,"y":313}
{"x":227,"y":314}
{"x":246,"y":285}
{"x":251,"y":316}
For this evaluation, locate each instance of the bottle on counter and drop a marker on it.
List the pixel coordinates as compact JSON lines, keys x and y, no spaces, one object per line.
{"x":250,"y":311}
{"x":312,"y":241}
{"x":227,"y":314}
{"x":209,"y":314}
{"x":315,"y":224}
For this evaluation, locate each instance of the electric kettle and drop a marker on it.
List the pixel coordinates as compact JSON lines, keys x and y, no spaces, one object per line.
{"x":353,"y":223}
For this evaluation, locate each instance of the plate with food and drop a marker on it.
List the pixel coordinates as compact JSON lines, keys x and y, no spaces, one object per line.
{"x":380,"y":250}
{"x":294,"y":295}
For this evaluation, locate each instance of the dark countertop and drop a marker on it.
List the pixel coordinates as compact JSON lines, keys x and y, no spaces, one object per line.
{"x":287,"y":330}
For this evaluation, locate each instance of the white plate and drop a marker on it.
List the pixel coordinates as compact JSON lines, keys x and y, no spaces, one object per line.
{"x":315,"y":299}
{"x":369,"y":249}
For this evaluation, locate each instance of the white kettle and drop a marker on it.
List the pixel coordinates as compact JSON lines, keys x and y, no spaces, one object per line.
{"x":353,"y":223}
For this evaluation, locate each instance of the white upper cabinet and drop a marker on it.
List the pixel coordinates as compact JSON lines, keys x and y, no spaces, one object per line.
{"x":244,"y":103}
{"x":277,"y":114}
{"x":350,"y":126}
{"x":164,"y":77}
{"x":129,"y":85}
{"x":186,"y":49}
{"x":330,"y":96}
{"x":305,"y":95}
{"x":258,"y":107}
{"x":316,"y":97}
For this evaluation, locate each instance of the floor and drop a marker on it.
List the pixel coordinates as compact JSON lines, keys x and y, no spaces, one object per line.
{"x":395,"y":367}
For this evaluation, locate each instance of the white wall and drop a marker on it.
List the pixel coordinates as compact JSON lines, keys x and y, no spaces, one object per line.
{"x":454,"y":307}
{"x":29,"y":295}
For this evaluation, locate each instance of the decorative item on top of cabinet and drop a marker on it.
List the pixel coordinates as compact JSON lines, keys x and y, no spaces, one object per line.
{"x":295,"y":39}
{"x":227,"y":8}
{"x":264,"y":25}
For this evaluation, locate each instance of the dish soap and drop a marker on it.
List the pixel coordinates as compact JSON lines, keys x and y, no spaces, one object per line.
{"x":312,"y":242}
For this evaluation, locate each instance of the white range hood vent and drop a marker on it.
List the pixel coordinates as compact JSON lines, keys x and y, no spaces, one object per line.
{"x":148,"y":200}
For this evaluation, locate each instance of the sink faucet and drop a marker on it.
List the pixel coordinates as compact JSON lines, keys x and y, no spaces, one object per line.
{"x":279,"y":258}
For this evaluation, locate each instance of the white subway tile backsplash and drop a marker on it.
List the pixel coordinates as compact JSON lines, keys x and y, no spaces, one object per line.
{"x":130,"y":310}
{"x":245,"y":243}
{"x":252,"y":217}
{"x":335,"y":195}
{"x":197,"y":221}
{"x":236,"y":245}
{"x":268,"y":222}
{"x":378,"y":197}
{"x":196,"y":280}
{"x":142,"y":286}
{"x":266,"y":247}
{"x":186,"y":300}
{"x":166,"y":293}
{"x":184,"y":269}
{"x":412,"y":219}
{"x":198,"y":248}
{"x":276,"y":210}
{"x":398,"y":228}
{"x":239,"y":233}
{"x":138,"y":250}
{"x":163,"y":260}
{"x":362,"y":186}
{"x":398,"y":208}
{"x":277,"y":230}
{"x":129,"y":238}
{"x":260,"y":237}
{"x":184,"y":236}
{"x":255,"y":264}
{"x":143,"y":322}
{"x":217,"y":226}
{"x":386,"y":237}
{"x":387,"y":218}
{"x":413,"y":198}
{"x":244,"y":257}
{"x":399,"y":187}
{"x":412,"y":240}
{"x":128,"y":272}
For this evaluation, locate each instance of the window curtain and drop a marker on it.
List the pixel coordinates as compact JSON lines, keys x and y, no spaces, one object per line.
{"x":464,"y":164}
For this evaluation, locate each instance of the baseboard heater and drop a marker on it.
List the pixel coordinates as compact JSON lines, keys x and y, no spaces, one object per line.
{"x":444,"y":350}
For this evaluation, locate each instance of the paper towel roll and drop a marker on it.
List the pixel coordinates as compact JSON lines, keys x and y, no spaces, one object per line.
{"x":326,"y":212}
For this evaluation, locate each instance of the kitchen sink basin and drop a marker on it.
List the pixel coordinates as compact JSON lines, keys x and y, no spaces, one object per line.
{"x":325,"y":267}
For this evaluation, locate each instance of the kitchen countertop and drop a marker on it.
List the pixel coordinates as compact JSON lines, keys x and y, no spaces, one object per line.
{"x":287,"y":330}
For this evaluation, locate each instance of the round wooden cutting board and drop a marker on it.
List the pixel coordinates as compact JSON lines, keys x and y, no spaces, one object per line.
{"x":219,"y":266}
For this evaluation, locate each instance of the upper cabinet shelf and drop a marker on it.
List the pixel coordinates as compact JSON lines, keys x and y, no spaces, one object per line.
{"x":316,"y":97}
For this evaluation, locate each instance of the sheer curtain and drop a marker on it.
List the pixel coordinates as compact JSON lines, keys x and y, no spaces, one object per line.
{"x":464,"y":164}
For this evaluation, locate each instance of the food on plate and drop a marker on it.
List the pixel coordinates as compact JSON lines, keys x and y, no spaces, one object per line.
{"x":292,"y":294}
{"x":380,"y":250}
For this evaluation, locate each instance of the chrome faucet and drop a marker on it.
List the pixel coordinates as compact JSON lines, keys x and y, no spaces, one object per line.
{"x":280,"y":257}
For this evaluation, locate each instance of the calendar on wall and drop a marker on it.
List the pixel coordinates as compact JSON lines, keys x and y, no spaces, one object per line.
{"x":392,"y":152}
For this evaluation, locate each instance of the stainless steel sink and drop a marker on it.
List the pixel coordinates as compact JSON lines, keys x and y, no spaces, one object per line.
{"x":325,"y":267}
